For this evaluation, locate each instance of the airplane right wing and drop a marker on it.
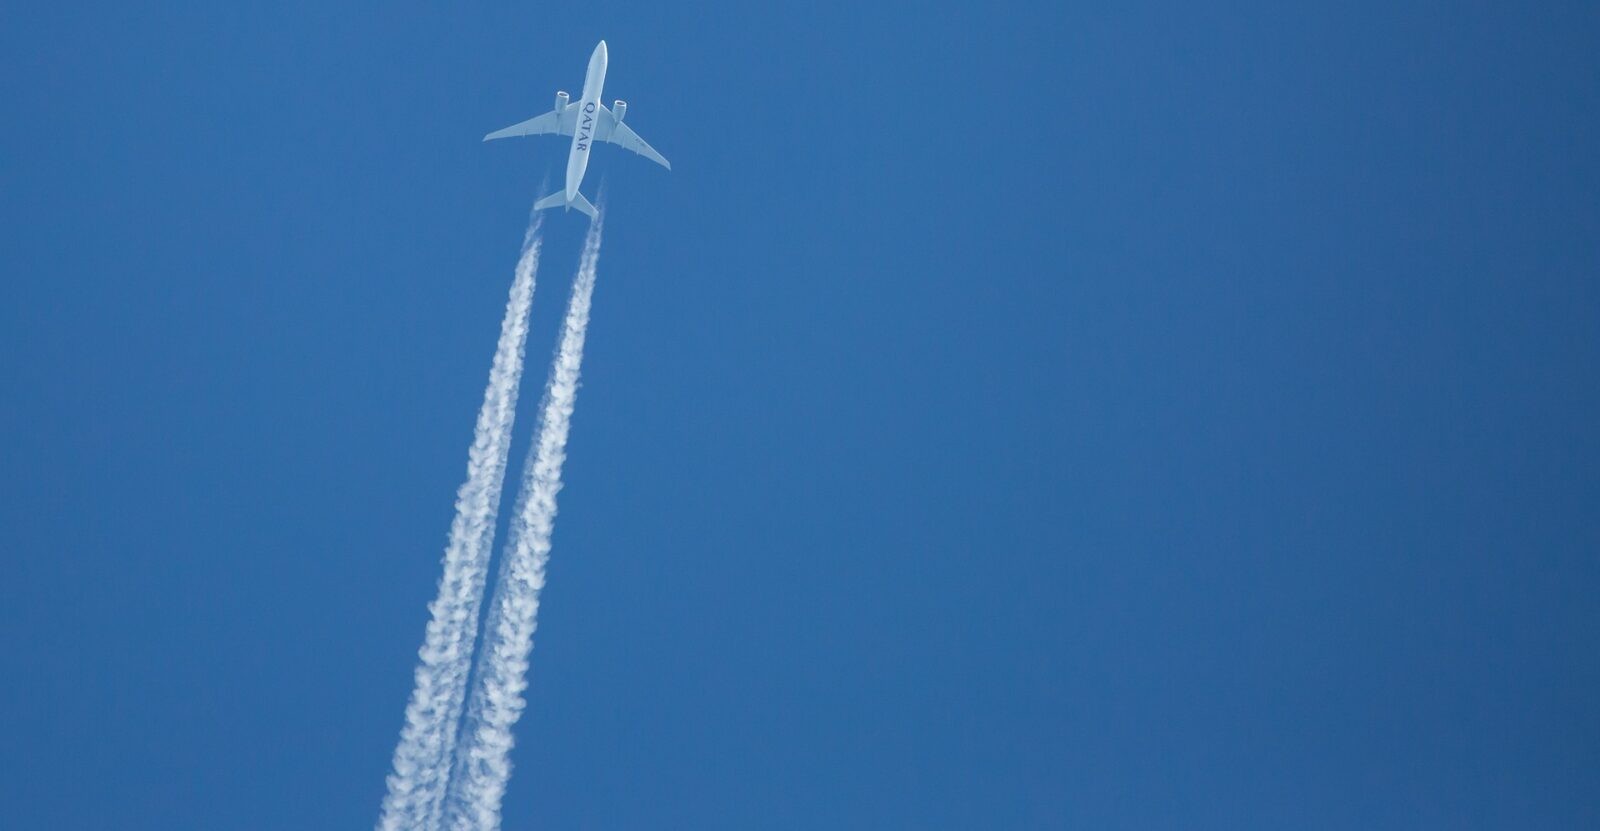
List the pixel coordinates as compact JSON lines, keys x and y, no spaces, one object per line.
{"x":562,"y":123}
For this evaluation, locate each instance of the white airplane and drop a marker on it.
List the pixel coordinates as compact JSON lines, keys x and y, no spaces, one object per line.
{"x":587,"y":121}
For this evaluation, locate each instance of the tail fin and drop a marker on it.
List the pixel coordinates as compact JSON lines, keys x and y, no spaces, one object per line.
{"x":559,"y":200}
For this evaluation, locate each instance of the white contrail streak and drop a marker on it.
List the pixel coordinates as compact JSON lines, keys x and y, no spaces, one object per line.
{"x":427,"y":741}
{"x":483,"y":760}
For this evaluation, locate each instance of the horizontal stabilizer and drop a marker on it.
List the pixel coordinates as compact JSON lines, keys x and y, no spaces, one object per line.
{"x":559,"y":200}
{"x":583,"y":204}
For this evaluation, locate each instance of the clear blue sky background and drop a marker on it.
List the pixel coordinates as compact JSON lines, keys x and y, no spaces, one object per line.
{"x":1047,"y":416}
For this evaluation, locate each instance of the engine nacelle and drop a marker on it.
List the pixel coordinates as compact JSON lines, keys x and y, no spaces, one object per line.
{"x":561,"y":102}
{"x":619,"y":109}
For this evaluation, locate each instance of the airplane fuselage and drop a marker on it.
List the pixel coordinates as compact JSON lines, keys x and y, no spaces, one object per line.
{"x":588,"y":120}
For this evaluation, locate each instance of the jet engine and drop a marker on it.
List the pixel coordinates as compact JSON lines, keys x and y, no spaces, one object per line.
{"x":619,"y":109}
{"x":561,"y":102}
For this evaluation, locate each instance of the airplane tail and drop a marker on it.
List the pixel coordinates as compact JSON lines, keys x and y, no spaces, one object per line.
{"x":559,"y":200}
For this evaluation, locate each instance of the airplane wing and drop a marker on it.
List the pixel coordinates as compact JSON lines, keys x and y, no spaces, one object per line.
{"x":562,"y":123}
{"x":623,"y":136}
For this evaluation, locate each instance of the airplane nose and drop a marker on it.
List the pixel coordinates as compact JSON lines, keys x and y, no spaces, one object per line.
{"x":601,"y":49}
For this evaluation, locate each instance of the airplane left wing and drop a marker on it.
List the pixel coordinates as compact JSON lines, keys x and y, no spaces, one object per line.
{"x":560,"y":123}
{"x":623,"y":136}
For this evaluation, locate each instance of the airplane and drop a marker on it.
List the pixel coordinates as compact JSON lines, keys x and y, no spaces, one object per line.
{"x":587,"y":121}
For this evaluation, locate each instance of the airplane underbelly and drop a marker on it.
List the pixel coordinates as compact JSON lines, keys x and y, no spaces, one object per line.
{"x":582,"y":142}
{"x":577,"y":163}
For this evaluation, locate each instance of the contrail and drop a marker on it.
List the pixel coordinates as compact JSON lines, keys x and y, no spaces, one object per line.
{"x":483,"y":764}
{"x":422,"y":757}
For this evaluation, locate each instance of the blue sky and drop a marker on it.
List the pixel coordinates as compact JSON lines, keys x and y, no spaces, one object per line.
{"x":1107,"y":416}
